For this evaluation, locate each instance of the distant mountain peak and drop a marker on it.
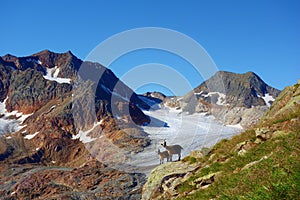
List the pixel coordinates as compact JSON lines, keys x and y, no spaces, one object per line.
{"x":232,"y":98}
{"x":240,"y":89}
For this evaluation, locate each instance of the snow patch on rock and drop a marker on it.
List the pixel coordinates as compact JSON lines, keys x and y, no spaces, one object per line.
{"x":30,"y":136}
{"x":11,"y":122}
{"x":221,"y":97}
{"x":83,"y":135}
{"x":52,"y":75}
{"x":267,"y":98}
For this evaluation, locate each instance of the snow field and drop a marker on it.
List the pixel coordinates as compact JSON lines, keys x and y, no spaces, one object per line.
{"x":192,"y":132}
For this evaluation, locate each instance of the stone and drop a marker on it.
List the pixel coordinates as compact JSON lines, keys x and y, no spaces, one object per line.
{"x":163,"y":180}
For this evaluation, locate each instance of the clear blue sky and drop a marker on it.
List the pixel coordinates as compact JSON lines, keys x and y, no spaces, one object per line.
{"x":240,"y":36}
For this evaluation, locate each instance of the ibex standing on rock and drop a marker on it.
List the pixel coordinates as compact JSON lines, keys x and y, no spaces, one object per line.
{"x":173,"y":149}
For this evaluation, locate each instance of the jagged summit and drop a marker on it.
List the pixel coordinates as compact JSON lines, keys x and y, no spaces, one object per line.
{"x":47,"y":51}
{"x":67,"y":62}
{"x":50,"y":55}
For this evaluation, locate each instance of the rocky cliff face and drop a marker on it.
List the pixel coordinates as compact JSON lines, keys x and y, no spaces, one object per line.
{"x":260,"y":163}
{"x":232,"y":98}
{"x":43,"y":146}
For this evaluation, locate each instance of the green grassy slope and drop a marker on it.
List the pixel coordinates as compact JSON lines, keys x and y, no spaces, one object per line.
{"x":262,"y":163}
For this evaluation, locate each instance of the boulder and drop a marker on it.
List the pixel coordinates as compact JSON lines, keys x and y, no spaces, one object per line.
{"x":164,"y":179}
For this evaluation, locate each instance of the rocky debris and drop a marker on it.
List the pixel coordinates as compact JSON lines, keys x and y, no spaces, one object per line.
{"x":93,"y":180}
{"x":251,"y":164}
{"x":247,"y":117}
{"x":5,"y":150}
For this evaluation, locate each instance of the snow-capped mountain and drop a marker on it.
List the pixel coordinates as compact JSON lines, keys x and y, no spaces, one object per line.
{"x":28,"y":83}
{"x":37,"y":98}
{"x":232,"y":98}
{"x":237,"y":90}
{"x":38,"y":129}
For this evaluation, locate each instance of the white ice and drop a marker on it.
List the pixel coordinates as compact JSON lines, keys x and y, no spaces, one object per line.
{"x":30,"y":136}
{"x":221,"y":99}
{"x":267,"y":98}
{"x":7,"y":123}
{"x":83,"y":135}
{"x":52,"y":75}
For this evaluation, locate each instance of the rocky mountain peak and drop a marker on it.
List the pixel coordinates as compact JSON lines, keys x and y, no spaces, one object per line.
{"x":232,"y":98}
{"x":50,"y":59}
{"x":245,"y":90}
{"x":39,"y":127}
{"x":29,"y":83}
